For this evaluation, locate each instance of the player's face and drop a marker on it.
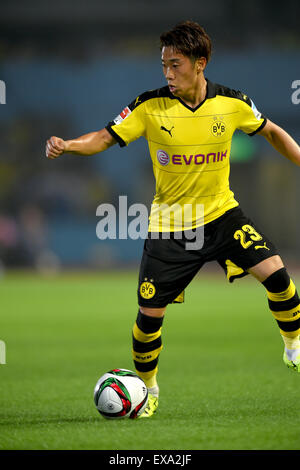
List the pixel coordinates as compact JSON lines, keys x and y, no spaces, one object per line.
{"x":180,"y":71}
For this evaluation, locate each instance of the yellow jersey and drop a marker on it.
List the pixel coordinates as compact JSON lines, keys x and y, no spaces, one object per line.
{"x":190,"y":151}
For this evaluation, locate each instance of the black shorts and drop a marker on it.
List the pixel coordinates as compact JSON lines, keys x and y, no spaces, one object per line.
{"x":167,"y":267}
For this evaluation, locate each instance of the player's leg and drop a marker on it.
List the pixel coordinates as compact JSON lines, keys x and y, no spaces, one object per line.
{"x":147,"y":345}
{"x":284,"y":304}
{"x":166,"y":269}
{"x":266,"y":267}
{"x":248,"y":250}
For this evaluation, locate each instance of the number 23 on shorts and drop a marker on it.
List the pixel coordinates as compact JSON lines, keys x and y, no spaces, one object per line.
{"x":241,"y":235}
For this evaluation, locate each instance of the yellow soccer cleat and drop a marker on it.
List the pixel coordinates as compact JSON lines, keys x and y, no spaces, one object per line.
{"x":295,"y":364}
{"x":151,"y":407}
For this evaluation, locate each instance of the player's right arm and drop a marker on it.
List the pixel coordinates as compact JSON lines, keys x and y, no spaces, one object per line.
{"x":128,"y":126}
{"x":87,"y":144}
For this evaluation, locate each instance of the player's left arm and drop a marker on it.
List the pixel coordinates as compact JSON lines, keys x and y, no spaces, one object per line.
{"x":281,"y":141}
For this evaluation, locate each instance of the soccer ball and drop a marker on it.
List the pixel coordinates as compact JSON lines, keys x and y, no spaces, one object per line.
{"x":120,"y":393}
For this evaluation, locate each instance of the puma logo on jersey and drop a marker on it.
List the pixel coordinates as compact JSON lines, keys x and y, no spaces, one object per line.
{"x":162,"y":128}
{"x":261,"y":246}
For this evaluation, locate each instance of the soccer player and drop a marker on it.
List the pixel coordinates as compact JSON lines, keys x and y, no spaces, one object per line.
{"x":189,"y":126}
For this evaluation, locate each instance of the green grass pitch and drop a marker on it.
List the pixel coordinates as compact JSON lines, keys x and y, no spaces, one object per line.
{"x":222,"y":380}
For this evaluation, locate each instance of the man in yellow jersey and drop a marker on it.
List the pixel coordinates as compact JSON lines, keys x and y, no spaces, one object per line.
{"x":189,"y":125}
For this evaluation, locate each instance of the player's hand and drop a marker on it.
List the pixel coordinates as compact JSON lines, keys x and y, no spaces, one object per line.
{"x":55,"y":146}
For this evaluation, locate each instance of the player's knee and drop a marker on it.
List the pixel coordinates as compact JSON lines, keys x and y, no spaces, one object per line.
{"x":153,"y":312}
{"x":283,"y":301}
{"x":278,"y":281}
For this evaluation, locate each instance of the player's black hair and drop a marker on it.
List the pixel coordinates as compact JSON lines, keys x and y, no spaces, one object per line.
{"x":188,"y":38}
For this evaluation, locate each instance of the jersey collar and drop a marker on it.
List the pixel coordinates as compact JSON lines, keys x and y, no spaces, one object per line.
{"x":210,"y":93}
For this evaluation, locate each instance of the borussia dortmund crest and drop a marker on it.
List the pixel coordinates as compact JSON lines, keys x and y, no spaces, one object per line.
{"x":218,"y":127}
{"x":147,"y":290}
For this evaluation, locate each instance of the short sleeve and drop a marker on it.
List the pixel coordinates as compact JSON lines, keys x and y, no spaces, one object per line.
{"x":129,"y":124}
{"x":250,"y":120}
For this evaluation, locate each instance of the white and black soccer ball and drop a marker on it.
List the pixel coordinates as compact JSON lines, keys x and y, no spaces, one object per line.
{"x":120,"y":393}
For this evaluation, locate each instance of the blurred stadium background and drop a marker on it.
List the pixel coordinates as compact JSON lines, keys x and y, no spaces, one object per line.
{"x":70,"y":67}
